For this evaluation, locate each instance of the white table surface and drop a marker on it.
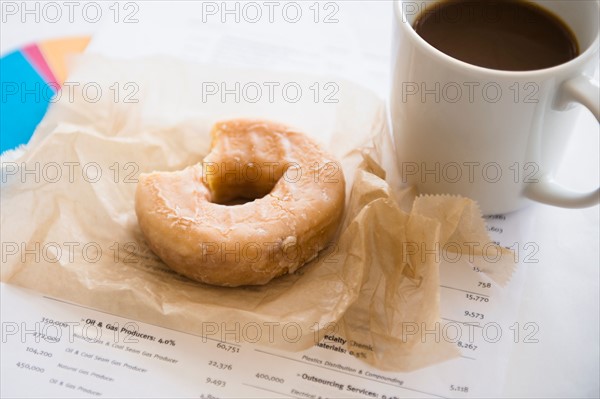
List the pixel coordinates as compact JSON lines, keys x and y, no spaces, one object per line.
{"x":561,"y":293}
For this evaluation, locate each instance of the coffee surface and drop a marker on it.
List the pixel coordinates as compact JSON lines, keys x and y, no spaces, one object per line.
{"x":511,"y":35}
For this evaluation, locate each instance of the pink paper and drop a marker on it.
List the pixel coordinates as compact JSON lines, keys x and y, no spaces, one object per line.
{"x":35,"y":57}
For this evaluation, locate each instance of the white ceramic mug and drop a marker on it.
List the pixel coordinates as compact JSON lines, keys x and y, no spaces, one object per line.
{"x":494,"y":136}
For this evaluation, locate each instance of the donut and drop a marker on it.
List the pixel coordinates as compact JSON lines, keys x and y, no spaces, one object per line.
{"x":261,"y":204}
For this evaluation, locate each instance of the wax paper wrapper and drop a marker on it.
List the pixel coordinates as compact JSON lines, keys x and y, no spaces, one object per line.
{"x":69,"y":228}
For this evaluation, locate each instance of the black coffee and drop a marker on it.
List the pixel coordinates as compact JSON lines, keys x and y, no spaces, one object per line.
{"x":511,"y":35}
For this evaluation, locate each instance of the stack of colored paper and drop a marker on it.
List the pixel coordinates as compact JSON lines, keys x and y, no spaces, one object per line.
{"x":30,"y":78}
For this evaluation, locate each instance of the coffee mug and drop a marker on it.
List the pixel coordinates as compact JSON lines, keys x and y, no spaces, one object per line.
{"x":491,"y":135}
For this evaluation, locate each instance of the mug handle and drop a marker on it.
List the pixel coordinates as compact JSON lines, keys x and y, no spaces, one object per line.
{"x":580,"y":90}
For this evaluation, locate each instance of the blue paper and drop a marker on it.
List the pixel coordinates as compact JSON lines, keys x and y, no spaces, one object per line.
{"x":24,"y":99}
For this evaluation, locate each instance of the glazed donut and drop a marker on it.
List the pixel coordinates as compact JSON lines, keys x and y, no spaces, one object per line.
{"x":262,"y":203}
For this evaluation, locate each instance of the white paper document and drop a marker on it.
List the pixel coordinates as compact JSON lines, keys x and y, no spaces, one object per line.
{"x":52,"y":348}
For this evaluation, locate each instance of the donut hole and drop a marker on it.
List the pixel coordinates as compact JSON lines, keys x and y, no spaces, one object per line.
{"x":237,"y":184}
{"x":237,"y":201}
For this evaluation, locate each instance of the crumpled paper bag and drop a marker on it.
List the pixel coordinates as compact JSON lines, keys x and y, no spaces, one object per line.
{"x":69,"y":228}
